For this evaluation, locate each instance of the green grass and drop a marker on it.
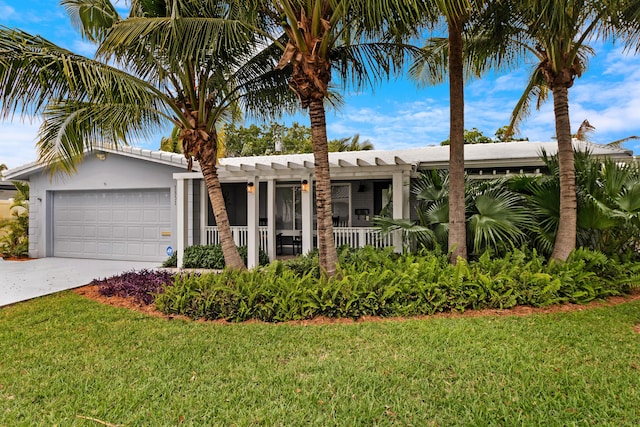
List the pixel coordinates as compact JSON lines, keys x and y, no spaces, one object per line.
{"x":64,"y":356}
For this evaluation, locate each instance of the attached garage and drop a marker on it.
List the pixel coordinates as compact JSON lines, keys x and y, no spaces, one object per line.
{"x":116,"y":224}
{"x":119,"y":205}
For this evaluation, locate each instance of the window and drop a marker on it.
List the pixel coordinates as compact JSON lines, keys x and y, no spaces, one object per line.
{"x":341,"y":205}
{"x":289,"y":206}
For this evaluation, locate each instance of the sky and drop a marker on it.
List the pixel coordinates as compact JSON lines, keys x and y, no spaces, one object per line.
{"x":396,"y":114}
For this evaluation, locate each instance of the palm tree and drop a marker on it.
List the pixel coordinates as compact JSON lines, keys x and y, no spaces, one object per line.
{"x":350,"y":144}
{"x":608,"y":199}
{"x":556,"y":34}
{"x":172,"y":143}
{"x":448,"y":54}
{"x":191,"y":66}
{"x":351,"y":40}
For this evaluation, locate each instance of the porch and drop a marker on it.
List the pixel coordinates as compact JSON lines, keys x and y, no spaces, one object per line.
{"x":271,"y":202}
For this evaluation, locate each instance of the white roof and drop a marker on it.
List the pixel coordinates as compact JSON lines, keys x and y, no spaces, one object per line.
{"x":521,"y":153}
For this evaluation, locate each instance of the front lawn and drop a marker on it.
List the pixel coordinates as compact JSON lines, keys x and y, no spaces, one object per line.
{"x":65,"y":359}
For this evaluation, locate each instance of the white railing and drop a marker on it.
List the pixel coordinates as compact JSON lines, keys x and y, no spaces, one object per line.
{"x":240,"y":235}
{"x":356,"y":237}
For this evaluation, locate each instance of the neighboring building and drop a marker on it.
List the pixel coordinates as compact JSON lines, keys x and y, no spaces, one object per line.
{"x":7,"y":193}
{"x":138,"y":204}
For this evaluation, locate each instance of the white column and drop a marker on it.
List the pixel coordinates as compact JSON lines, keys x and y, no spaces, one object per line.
{"x":204,"y":197}
{"x":181,"y":211}
{"x":307,"y":215}
{"x":253,"y":214}
{"x":271,"y":219}
{"x":400,"y":203}
{"x":190,"y":224}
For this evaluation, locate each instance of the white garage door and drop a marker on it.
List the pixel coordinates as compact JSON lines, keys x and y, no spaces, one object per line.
{"x":122,"y":225}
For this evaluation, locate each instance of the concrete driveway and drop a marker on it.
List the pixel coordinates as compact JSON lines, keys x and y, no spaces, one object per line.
{"x":23,"y":280}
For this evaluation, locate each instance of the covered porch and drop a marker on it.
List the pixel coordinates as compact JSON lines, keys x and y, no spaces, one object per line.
{"x":271,"y":204}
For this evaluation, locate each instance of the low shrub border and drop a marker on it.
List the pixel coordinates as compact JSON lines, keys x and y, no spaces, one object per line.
{"x":379,"y":283}
{"x":209,"y":257}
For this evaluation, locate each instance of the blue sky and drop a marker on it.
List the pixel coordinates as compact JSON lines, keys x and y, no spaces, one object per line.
{"x":397,"y":114}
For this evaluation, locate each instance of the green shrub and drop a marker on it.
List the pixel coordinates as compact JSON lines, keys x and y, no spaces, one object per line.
{"x":209,"y":257}
{"x":373,"y":282}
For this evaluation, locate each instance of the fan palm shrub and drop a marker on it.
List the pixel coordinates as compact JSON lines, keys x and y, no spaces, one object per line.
{"x":496,"y":217}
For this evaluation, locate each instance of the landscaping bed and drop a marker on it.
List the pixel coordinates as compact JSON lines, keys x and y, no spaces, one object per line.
{"x":373,"y":283}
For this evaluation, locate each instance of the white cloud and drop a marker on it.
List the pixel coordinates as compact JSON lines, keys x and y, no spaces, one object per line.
{"x":18,"y":143}
{"x":6,"y":12}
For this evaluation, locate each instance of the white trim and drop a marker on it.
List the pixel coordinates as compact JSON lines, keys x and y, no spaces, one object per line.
{"x":253,"y":233}
{"x":271,"y":219}
{"x":307,"y":216}
{"x":181,"y":220}
{"x":204,"y":197}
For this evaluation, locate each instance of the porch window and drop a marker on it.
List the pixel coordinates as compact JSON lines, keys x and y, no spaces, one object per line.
{"x":289,"y":206}
{"x":341,"y":205}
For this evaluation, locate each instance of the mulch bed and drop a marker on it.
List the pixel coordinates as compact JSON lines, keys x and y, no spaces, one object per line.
{"x":91,"y":292}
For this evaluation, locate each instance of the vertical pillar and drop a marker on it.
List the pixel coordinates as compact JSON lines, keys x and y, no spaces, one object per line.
{"x":253,"y":232}
{"x":271,"y":219}
{"x":307,"y":213}
{"x":400,"y":204}
{"x":190,"y":224}
{"x":181,"y":211}
{"x":204,"y":202}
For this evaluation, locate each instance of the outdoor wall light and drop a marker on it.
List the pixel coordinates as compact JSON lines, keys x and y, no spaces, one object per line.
{"x":304,"y":185}
{"x":250,"y":188}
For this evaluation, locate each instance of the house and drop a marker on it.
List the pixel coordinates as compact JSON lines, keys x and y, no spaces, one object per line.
{"x":137,"y":204}
{"x":7,"y":193}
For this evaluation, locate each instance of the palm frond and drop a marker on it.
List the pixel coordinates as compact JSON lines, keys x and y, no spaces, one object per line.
{"x":92,"y":18}
{"x":34,"y":71}
{"x":72,"y":127}
{"x":537,"y":90}
{"x":367,"y":64}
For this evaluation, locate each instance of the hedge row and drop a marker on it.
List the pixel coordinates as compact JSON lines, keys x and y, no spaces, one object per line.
{"x":379,"y":283}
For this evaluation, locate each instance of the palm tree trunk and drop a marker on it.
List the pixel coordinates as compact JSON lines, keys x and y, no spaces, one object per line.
{"x":457,"y":224}
{"x":206,"y":156}
{"x":566,"y":237}
{"x":326,"y":243}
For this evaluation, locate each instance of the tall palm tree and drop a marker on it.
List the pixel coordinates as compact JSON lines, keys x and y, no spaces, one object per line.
{"x":449,"y":53}
{"x":555,"y":33}
{"x":187,"y":64}
{"x":353,"y":40}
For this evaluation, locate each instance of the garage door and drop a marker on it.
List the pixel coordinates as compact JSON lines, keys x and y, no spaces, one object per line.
{"x":122,"y":225}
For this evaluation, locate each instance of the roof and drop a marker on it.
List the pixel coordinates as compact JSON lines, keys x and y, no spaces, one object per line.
{"x":163,"y":157}
{"x":476,"y":155}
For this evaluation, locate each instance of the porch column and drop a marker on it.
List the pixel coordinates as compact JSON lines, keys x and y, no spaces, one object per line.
{"x":204,"y":198}
{"x":181,"y":211}
{"x":307,"y":213}
{"x":253,"y":232}
{"x":271,"y":219}
{"x":190,"y":223}
{"x":401,"y":200}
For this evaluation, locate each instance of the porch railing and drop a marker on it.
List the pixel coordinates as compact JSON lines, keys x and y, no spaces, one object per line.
{"x":356,"y":237}
{"x":240,"y":236}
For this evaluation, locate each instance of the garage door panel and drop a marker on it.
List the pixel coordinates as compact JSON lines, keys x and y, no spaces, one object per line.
{"x":90,"y":231}
{"x":134,"y":233}
{"x":124,"y":225}
{"x":150,"y":233}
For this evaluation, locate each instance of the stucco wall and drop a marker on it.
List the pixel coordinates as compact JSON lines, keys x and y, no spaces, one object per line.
{"x":116,"y":172}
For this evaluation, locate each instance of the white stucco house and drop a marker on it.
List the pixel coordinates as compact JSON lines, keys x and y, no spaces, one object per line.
{"x":137,"y":204}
